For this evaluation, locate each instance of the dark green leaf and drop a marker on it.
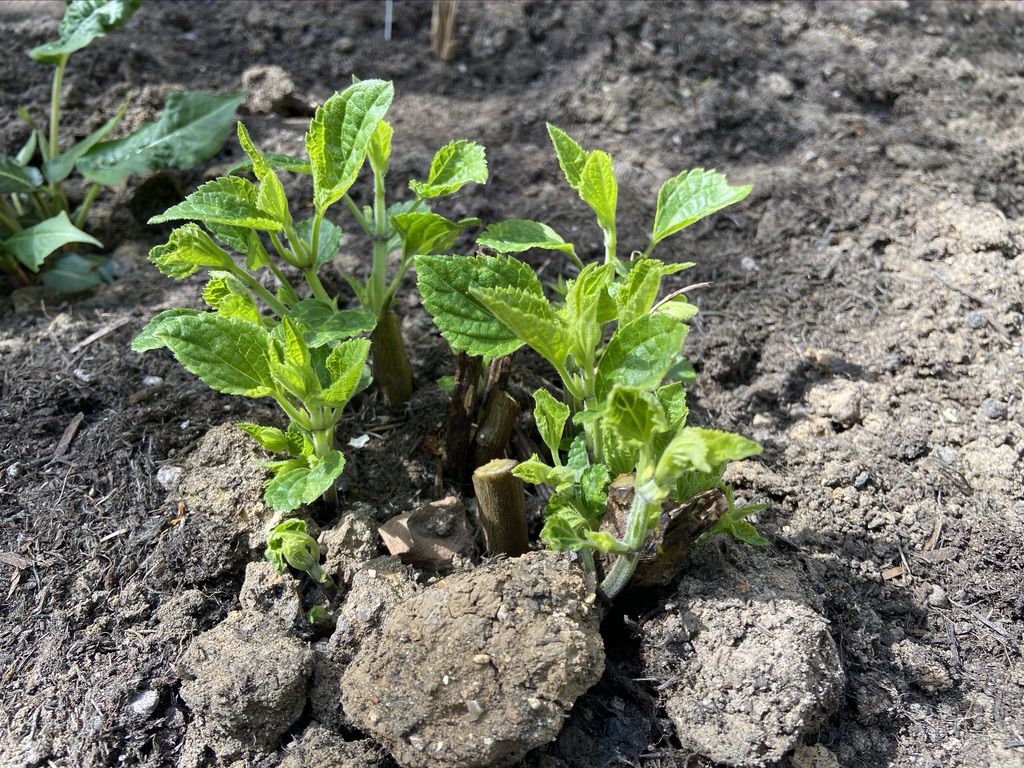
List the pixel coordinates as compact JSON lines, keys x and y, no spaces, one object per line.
{"x":31,"y":246}
{"x":15,"y":178}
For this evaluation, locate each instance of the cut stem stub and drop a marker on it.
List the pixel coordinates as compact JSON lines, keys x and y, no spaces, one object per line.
{"x":502,"y":504}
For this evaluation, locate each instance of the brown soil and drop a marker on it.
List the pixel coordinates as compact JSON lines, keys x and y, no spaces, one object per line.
{"x":863,"y":323}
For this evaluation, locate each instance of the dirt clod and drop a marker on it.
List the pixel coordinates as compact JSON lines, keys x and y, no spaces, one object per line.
{"x":480,"y":668}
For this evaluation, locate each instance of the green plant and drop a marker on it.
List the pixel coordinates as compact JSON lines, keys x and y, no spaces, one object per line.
{"x":625,"y":414}
{"x":289,"y":544}
{"x":37,"y":217}
{"x":295,"y":344}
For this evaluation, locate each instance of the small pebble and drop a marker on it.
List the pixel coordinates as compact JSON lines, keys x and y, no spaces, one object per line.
{"x":144,"y":703}
{"x":993,"y":409}
{"x":169,"y":477}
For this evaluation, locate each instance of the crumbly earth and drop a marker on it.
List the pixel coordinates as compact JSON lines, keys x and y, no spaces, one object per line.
{"x":863,"y":322}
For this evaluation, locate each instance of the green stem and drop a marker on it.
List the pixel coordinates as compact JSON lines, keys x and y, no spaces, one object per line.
{"x":58,"y":76}
{"x":83,"y":209}
{"x":314,"y":283}
{"x":646,"y":505}
{"x":289,"y":293}
{"x":377,"y":284}
{"x":256,"y":287}
{"x":323,"y":443}
{"x":9,"y":217}
{"x":367,"y":228}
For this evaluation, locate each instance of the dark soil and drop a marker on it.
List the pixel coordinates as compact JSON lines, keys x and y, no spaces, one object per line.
{"x":863,"y":322}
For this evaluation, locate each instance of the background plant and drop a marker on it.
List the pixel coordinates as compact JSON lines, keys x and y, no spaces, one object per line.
{"x":295,"y":343}
{"x":624,"y":413}
{"x":37,"y":217}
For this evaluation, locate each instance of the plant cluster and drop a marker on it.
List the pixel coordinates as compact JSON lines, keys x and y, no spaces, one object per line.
{"x":294,"y":342}
{"x":38,"y":218}
{"x":613,"y":340}
{"x":616,"y":348}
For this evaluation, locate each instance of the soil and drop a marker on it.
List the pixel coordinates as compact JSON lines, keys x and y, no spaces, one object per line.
{"x":863,"y":322}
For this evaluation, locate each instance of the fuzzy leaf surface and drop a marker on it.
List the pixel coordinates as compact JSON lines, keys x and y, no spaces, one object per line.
{"x":518,"y":235}
{"x":689,"y":197}
{"x":635,"y":415}
{"x":191,"y":128}
{"x":455,"y":164}
{"x":599,"y":188}
{"x":639,"y":353}
{"x":229,"y":200}
{"x":186,"y":250}
{"x":301,"y":481}
{"x":572,"y":158}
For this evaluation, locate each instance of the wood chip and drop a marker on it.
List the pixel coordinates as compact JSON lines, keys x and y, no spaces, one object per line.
{"x":893,"y":573}
{"x":940,"y":555}
{"x":99,"y":334}
{"x":69,"y":435}
{"x":14,"y":559}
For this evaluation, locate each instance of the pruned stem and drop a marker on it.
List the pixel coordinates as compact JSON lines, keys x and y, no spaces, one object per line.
{"x":500,"y":413}
{"x":458,"y":431}
{"x":391,"y":369}
{"x":502,"y":504}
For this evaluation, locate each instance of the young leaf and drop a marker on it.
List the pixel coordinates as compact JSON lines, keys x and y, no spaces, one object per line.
{"x":227,"y":200}
{"x":424,"y":232}
{"x":302,"y":481}
{"x":635,"y":415}
{"x":603,"y":541}
{"x":379,"y":149}
{"x":518,"y":235}
{"x":345,"y":366}
{"x":270,"y":438}
{"x":582,"y":304}
{"x":571,"y":156}
{"x":444,"y":282}
{"x":328,"y":239}
{"x":561,"y":529}
{"x":244,"y":240}
{"x":15,"y":178}
{"x":229,"y":354}
{"x":636,"y":294}
{"x":550,"y":415}
{"x":701,"y":449}
{"x":295,"y":350}
{"x":535,"y":471}
{"x":83,"y":21}
{"x":339,"y":136}
{"x":270,"y":195}
{"x":673,"y":399}
{"x":31,"y":246}
{"x":276,"y":160}
{"x":226,"y":294}
{"x":530,"y":317}
{"x":733,"y":523}
{"x":188,"y":249}
{"x":324,"y":324}
{"x":678,"y":308}
{"x":455,"y":164}
{"x":191,"y":128}
{"x":691,"y":196}
{"x":599,"y":188}
{"x":639,"y":353}
{"x":147,"y":338}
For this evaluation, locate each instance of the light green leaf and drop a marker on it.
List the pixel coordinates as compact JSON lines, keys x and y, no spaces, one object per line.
{"x":535,"y":471}
{"x":296,"y":485}
{"x":701,"y":449}
{"x":226,"y":294}
{"x":518,"y":235}
{"x":635,"y":415}
{"x":455,"y":164}
{"x":561,"y":531}
{"x":324,"y":324}
{"x":636,"y":294}
{"x":678,"y":308}
{"x":339,"y":136}
{"x":691,"y":196}
{"x":229,"y":354}
{"x":328,"y":239}
{"x":31,"y":246}
{"x":639,"y":353}
{"x":599,"y":188}
{"x":83,"y":22}
{"x":673,"y":399}
{"x":424,"y":232}
{"x":186,"y":250}
{"x":530,"y":316}
{"x":244,"y":240}
{"x":733,"y":523}
{"x":379,"y":149}
{"x":270,"y":196}
{"x":270,"y":438}
{"x":191,"y":128}
{"x":603,"y":541}
{"x":726,"y":446}
{"x":345,"y":365}
{"x":276,"y":160}
{"x":295,"y":350}
{"x":60,"y":167}
{"x":147,"y":338}
{"x":15,"y":178}
{"x":444,"y":282}
{"x":227,"y":200}
{"x":582,"y":303}
{"x":550,"y":415}
{"x":571,"y":156}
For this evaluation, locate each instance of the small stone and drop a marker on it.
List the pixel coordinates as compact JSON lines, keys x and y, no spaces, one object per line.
{"x":168,"y":477}
{"x":144,"y":702}
{"x":993,"y":409}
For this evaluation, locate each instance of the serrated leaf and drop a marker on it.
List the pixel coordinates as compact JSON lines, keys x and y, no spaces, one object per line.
{"x":276,"y":160}
{"x":599,"y":188}
{"x":571,"y":156}
{"x":636,"y":294}
{"x":603,"y":541}
{"x":229,"y":354}
{"x":444,"y":282}
{"x":530,"y":316}
{"x":339,"y":135}
{"x":328,"y":239}
{"x":300,"y":443}
{"x":83,"y":22}
{"x":345,"y":366}
{"x":423,"y":232}
{"x":244,"y":240}
{"x":59,"y":168}
{"x":678,"y":308}
{"x":295,"y":350}
{"x":324,"y":324}
{"x":191,"y":129}
{"x":635,"y":415}
{"x":582,"y":304}
{"x":577,"y":457}
{"x":226,"y":294}
{"x":733,"y":523}
{"x":186,"y":250}
{"x":639,"y":353}
{"x":689,"y":197}
{"x":147,"y":338}
{"x":227,"y":200}
{"x":593,"y":483}
{"x":550,"y":415}
{"x":14,"y":178}
{"x":270,"y":196}
{"x":297,"y":485}
{"x":518,"y":235}
{"x":703,"y":450}
{"x":534,"y":471}
{"x":455,"y":164}
{"x":561,"y":530}
{"x":673,"y":399}
{"x":379,"y":149}
{"x":270,"y":438}
{"x":32,"y":245}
